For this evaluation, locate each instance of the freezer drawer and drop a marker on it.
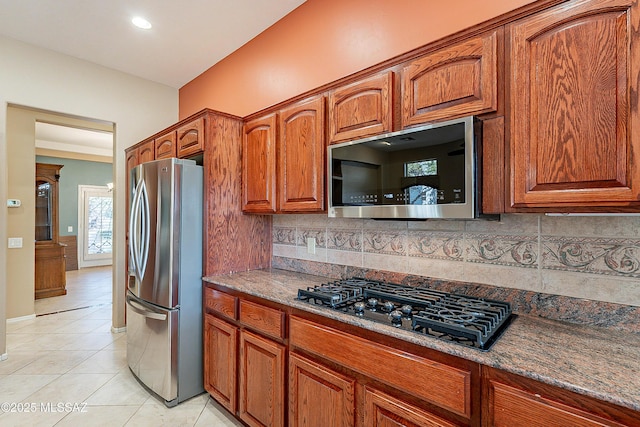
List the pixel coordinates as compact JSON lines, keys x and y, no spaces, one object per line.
{"x":152,"y":350}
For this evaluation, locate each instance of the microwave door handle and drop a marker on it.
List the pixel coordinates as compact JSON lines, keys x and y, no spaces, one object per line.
{"x":144,"y":311}
{"x":145,"y":229}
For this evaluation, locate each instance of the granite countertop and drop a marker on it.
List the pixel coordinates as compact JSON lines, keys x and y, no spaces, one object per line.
{"x":596,"y":362}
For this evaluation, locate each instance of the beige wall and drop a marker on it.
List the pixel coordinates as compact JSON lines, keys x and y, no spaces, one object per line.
{"x":21,"y":136}
{"x":46,"y":80}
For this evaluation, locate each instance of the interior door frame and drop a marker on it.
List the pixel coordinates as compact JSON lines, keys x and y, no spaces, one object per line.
{"x":82,"y":263}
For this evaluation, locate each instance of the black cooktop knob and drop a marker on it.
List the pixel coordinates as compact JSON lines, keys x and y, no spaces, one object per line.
{"x":359,"y":307}
{"x":389,"y":306}
{"x":373,"y":303}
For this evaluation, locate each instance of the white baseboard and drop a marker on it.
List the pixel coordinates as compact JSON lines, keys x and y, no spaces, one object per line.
{"x":21,"y":318}
{"x":118,"y":330}
{"x":3,"y":357}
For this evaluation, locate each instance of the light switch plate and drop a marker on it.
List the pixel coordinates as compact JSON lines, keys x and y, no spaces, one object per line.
{"x":311,"y":245}
{"x":70,"y":229}
{"x":15,"y":242}
{"x":13,"y":203}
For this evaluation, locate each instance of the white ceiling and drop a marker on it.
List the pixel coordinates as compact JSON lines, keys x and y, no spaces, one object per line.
{"x":187,"y":37}
{"x":75,"y":140}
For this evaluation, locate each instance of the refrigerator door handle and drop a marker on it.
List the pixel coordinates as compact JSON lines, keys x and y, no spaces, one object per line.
{"x":145,"y":232}
{"x":144,"y":311}
{"x":134,"y":238}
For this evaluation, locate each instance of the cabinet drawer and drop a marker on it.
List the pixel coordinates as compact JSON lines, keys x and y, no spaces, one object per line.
{"x":263,"y":319}
{"x":220,"y":303}
{"x":408,"y":372}
{"x":512,"y":407}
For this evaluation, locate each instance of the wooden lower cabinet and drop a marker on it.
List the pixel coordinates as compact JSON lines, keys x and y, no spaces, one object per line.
{"x":220,"y":361}
{"x":319,"y":396}
{"x":514,"y":401}
{"x":382,"y":410}
{"x":262,"y":368}
{"x":271,"y":367}
{"x":50,"y":278}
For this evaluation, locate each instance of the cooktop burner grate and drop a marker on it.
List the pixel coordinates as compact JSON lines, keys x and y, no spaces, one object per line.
{"x":474,"y":322}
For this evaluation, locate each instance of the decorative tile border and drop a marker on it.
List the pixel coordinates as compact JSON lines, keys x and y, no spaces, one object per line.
{"x":617,"y":257}
{"x":318,"y":233}
{"x":344,"y":240}
{"x":284,"y":235}
{"x":515,"y":251}
{"x":436,"y":245}
{"x":380,"y":242}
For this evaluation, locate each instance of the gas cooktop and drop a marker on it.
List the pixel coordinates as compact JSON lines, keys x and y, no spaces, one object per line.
{"x":473,"y":322}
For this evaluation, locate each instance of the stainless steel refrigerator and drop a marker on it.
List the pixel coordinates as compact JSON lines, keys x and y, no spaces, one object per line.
{"x":164,"y":295}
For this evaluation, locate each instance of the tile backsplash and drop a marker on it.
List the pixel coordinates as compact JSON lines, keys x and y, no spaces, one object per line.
{"x":595,"y":258}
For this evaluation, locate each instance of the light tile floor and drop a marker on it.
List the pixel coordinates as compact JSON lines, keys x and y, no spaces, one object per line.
{"x":66,"y":368}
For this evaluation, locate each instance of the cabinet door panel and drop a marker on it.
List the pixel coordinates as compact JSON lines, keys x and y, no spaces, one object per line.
{"x":166,"y":146}
{"x":220,"y":352}
{"x":301,"y":154}
{"x":571,"y":116}
{"x":190,"y":138}
{"x":146,"y":152}
{"x":382,"y":410}
{"x":259,"y":165}
{"x":261,"y":381}
{"x":332,"y":395}
{"x":452,"y":82}
{"x":361,"y":109}
{"x":512,"y":407}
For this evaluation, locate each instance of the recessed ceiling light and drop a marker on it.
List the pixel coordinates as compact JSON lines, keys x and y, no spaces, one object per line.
{"x":141,"y":23}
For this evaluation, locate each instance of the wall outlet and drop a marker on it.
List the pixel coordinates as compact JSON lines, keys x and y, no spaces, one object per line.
{"x":70,"y":229}
{"x":15,"y":242}
{"x":311,"y":245}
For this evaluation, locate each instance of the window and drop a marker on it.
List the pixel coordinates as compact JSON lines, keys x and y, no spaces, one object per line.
{"x":423,"y":189}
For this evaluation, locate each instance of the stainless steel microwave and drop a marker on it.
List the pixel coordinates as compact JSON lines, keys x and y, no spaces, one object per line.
{"x":420,"y":173}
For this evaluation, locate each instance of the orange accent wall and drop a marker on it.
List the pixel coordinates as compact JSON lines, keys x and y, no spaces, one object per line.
{"x":324,"y":40}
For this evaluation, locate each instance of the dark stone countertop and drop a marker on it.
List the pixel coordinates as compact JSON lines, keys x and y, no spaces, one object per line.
{"x":597,"y":362}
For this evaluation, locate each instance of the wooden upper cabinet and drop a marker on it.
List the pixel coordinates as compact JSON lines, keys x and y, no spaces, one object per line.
{"x":146,"y":152}
{"x":166,"y":146}
{"x":301,"y":154}
{"x":132,"y":160}
{"x":574,"y":119}
{"x":361,"y":109}
{"x":452,"y":82}
{"x":190,"y":138}
{"x":259,"y":165}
